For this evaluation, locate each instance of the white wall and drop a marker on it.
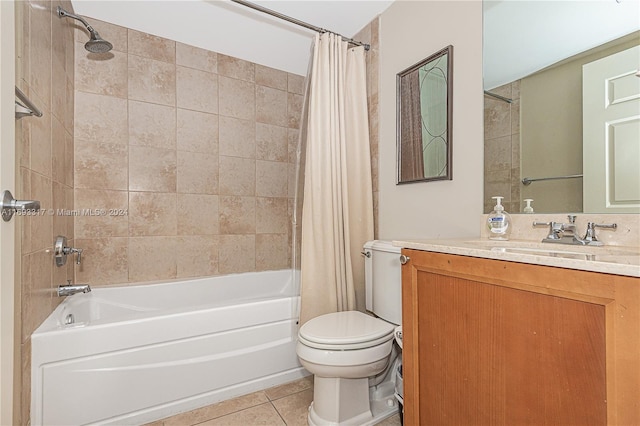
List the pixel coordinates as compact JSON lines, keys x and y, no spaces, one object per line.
{"x":409,"y":32}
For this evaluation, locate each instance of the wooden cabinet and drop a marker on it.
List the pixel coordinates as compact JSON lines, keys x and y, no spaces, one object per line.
{"x":490,"y":342}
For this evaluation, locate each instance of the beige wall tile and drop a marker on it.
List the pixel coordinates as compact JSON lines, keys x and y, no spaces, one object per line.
{"x":498,"y":154}
{"x":237,"y":176}
{"x":104,"y":260}
{"x":197,"y":132}
{"x":104,"y":76}
{"x":152,"y":81}
{"x":272,"y":252}
{"x":36,"y":303}
{"x":271,"y":106}
{"x":497,"y":118}
{"x":61,"y":203}
{"x":197,"y":173}
{"x":294,"y":110}
{"x":42,"y":224}
{"x":152,"y":213}
{"x":237,"y":137}
{"x":198,"y":256}
{"x":271,"y":142}
{"x":229,"y":66}
{"x":152,"y":258}
{"x":197,"y":214}
{"x":59,"y":156}
{"x":100,"y":118}
{"x":197,"y":90}
{"x":293,"y":136}
{"x":237,"y":215}
{"x":40,"y":144}
{"x":271,"y":179}
{"x":194,"y":57}
{"x":271,"y":77}
{"x":295,"y":83}
{"x":108,"y":225}
{"x":40,"y":18}
{"x":100,"y":165}
{"x":152,"y":47}
{"x":271,"y":216}
{"x":152,"y":169}
{"x":236,"y":98}
{"x":152,"y":125}
{"x":59,"y":91}
{"x":237,"y":254}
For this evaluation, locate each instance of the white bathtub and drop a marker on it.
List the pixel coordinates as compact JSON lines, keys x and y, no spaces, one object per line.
{"x":141,"y":353}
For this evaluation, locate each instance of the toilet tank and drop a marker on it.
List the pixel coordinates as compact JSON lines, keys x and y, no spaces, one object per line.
{"x":383,"y":281}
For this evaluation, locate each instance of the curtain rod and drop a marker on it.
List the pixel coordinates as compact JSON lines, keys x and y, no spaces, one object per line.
{"x":297,"y":22}
{"x":502,"y":98}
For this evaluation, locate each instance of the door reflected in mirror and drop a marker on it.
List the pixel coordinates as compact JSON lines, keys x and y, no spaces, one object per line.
{"x":424,"y":105}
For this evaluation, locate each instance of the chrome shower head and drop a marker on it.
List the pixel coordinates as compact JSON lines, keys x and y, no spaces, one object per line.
{"x":96,"y":44}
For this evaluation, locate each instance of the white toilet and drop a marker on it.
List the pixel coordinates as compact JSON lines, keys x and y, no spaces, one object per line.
{"x":351,"y":354}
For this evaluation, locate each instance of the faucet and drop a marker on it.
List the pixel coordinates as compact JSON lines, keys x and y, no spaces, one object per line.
{"x":565,"y":233}
{"x":70,"y":289}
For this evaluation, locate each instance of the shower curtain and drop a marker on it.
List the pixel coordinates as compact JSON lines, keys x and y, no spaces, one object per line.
{"x":337,"y":210}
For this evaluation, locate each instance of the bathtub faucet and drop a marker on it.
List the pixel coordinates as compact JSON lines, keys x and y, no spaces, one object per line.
{"x":69,"y":289}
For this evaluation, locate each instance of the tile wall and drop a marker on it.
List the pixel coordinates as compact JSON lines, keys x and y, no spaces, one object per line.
{"x":191,"y":154}
{"x":502,"y":148}
{"x":44,"y":147}
{"x":370,"y":34}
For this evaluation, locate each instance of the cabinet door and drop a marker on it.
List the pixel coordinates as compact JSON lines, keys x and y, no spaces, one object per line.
{"x":480,"y":352}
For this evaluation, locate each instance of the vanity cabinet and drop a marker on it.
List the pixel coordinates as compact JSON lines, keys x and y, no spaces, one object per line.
{"x":490,"y":342}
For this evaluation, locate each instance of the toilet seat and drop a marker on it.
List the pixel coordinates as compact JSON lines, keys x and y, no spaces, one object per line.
{"x":348,"y":330}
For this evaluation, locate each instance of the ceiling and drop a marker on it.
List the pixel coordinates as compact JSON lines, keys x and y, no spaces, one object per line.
{"x":235,"y":30}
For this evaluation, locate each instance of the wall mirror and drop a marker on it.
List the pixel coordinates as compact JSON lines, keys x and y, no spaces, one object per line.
{"x":424,"y":112}
{"x":533,"y":53}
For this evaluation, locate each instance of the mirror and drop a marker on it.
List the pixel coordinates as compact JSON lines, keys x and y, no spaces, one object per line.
{"x":533,"y":55}
{"x":424,"y":106}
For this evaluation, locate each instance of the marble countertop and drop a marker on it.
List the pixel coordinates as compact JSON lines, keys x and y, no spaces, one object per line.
{"x":619,"y":260}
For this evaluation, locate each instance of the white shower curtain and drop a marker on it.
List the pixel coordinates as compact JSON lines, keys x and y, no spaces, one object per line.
{"x":337,"y":212}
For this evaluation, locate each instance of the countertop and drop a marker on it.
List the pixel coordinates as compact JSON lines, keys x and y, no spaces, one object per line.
{"x":618,"y":260}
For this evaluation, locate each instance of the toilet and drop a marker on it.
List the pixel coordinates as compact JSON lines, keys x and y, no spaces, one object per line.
{"x":351,"y":354}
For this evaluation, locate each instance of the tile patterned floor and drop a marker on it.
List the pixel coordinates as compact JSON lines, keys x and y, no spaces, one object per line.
{"x":284,"y":405}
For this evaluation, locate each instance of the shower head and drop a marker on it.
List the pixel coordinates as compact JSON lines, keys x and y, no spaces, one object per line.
{"x":96,"y":44}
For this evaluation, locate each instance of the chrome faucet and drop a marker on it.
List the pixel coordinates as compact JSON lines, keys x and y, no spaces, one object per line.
{"x":70,"y":289}
{"x":565,"y":233}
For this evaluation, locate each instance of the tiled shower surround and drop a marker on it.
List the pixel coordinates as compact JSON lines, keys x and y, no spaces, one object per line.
{"x":192,"y":152}
{"x":44,"y":151}
{"x":502,"y":148}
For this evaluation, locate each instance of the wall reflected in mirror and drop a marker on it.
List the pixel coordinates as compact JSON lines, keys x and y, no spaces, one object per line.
{"x":538,"y":131}
{"x":424,"y":119}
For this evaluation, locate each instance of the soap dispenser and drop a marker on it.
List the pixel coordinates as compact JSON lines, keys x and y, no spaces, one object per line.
{"x":499,"y":222}
{"x":528,"y":208}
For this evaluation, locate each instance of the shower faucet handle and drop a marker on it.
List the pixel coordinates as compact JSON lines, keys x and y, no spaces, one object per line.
{"x":61,"y":251}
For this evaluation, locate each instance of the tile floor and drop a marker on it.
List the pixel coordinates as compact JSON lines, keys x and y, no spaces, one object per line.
{"x":284,"y":405}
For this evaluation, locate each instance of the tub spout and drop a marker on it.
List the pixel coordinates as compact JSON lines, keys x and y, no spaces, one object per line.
{"x":69,"y":289}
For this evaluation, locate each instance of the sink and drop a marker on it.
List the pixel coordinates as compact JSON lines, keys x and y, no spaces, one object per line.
{"x":553,"y":250}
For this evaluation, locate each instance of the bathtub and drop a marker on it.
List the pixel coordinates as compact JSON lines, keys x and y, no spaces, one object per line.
{"x":134,"y":354}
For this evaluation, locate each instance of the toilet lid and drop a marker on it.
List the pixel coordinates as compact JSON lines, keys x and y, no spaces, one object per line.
{"x":345,"y":328}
